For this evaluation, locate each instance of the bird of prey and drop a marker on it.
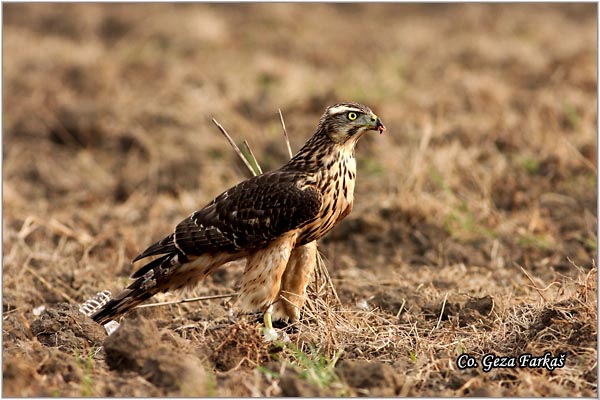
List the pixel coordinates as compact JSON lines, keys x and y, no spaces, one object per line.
{"x":268,"y":219}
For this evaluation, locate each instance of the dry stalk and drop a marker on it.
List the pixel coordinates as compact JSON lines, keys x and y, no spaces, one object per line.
{"x":247,"y":145}
{"x":234,"y":146}
{"x":534,"y":286}
{"x":285,"y":135}
{"x":190,"y":300}
{"x":441,"y":312}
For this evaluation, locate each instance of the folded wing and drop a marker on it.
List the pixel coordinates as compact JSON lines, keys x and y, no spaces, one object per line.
{"x":245,"y":217}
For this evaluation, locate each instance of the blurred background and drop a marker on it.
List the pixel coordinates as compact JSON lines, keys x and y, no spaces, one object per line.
{"x":491,"y":111}
{"x":488,"y":163}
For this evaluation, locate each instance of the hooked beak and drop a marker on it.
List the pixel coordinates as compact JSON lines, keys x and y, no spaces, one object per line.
{"x":376,"y":124}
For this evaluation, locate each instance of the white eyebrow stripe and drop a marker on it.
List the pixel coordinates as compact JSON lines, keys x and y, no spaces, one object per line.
{"x":343,"y":109}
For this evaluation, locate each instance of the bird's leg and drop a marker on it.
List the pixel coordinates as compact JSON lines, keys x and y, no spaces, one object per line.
{"x":295,"y":278}
{"x":268,"y":317}
{"x":261,"y":280}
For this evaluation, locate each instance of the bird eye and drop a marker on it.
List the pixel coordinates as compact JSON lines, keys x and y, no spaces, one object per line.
{"x":352,"y":116}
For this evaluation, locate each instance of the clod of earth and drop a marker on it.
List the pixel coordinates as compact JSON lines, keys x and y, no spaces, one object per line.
{"x":65,"y":328}
{"x":379,"y":379}
{"x":138,"y":346}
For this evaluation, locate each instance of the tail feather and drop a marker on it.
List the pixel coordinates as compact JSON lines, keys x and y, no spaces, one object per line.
{"x":122,"y":303}
{"x":150,"y":266}
{"x":151,"y":281}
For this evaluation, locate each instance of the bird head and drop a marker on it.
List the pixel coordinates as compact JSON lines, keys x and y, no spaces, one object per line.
{"x":346,"y":122}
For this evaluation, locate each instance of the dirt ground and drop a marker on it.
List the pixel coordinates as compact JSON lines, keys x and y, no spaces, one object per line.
{"x":475,"y":215}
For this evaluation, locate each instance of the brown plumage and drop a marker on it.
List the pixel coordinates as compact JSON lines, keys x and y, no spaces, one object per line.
{"x":268,"y":219}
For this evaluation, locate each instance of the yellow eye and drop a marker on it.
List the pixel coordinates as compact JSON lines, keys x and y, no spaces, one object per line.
{"x":352,"y":116}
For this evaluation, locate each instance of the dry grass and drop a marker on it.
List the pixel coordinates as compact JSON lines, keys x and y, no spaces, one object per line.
{"x":474,"y":228}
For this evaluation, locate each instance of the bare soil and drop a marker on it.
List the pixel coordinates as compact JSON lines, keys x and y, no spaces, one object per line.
{"x":474,"y":229}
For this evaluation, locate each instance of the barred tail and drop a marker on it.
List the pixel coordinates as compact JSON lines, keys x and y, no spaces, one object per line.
{"x":142,"y":289}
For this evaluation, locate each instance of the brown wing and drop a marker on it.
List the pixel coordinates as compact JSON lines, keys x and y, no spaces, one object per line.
{"x":247,"y":216}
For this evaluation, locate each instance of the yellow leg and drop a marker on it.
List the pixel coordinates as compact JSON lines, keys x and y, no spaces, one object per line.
{"x":268,"y":317}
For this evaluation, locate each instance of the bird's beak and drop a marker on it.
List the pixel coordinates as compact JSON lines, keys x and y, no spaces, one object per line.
{"x":375,"y":124}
